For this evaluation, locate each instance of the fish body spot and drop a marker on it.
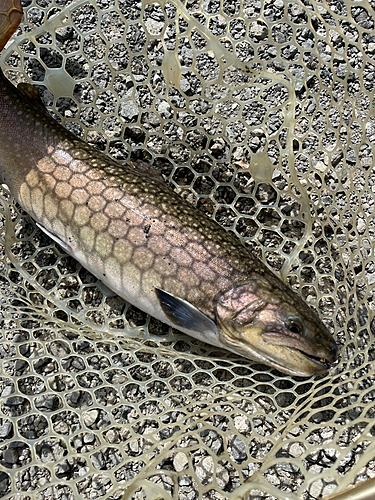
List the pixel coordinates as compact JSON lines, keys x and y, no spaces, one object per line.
{"x":79,"y":180}
{"x":99,"y":222}
{"x":50,"y":206}
{"x":118,"y":228}
{"x":87,"y":236}
{"x":62,"y":157}
{"x":114,"y":210}
{"x":46,"y":165}
{"x":122,"y":251}
{"x":32,"y":178}
{"x":104,"y":244}
{"x":143,"y":258}
{"x":67,"y":209}
{"x":37,"y":202}
{"x":96,"y":203}
{"x":81,"y":215}
{"x":79,"y":196}
{"x":63,"y":189}
{"x":95,"y":187}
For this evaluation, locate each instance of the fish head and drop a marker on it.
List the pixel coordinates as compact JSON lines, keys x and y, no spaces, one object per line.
{"x":264,"y":320}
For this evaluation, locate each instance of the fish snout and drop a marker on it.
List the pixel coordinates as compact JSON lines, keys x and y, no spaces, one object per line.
{"x":333,"y":351}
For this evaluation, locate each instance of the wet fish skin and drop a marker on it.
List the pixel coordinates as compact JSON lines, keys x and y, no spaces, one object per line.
{"x":150,"y":246}
{"x":10,"y":17}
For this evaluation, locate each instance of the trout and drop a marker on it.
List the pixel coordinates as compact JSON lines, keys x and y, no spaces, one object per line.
{"x":147,"y":244}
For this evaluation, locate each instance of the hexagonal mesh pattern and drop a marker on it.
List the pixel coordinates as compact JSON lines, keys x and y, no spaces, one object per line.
{"x":260,"y":114}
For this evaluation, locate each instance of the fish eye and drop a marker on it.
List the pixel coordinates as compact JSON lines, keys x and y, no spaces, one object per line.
{"x":295,"y":325}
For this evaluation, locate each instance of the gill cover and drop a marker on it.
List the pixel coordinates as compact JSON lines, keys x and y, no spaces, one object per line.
{"x":238,"y":306}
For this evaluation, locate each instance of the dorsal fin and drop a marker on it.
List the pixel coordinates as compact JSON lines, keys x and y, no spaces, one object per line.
{"x":29,"y":91}
{"x":146,"y":168}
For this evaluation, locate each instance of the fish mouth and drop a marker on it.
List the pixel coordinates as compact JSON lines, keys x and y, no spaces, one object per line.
{"x":306,"y":364}
{"x":318,"y":360}
{"x":318,"y":365}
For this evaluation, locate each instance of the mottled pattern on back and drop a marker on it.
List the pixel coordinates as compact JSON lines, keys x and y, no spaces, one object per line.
{"x":132,"y":227}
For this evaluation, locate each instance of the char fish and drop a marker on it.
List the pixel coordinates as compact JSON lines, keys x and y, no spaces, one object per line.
{"x":154,"y":249}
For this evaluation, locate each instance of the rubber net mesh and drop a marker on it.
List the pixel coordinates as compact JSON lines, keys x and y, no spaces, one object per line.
{"x":261,"y":115}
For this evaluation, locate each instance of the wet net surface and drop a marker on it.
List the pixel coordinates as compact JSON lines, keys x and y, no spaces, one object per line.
{"x":261,"y":115}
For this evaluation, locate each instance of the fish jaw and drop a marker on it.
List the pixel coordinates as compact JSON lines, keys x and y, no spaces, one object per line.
{"x":271,"y":324}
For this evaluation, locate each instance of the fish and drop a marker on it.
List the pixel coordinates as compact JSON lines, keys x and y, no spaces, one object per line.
{"x":143,"y":241}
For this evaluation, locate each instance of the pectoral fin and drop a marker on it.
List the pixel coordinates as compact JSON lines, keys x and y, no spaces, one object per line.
{"x":184,"y":315}
{"x":55,"y":238}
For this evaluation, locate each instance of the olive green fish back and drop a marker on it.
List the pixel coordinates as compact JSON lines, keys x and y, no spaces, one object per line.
{"x":261,"y":114}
